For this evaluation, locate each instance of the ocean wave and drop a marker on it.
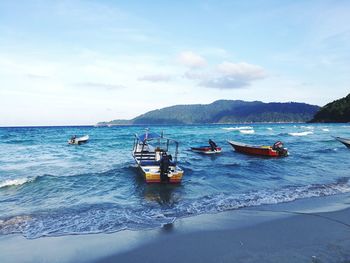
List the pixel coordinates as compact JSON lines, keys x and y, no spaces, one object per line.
{"x":308,"y":127}
{"x":15,"y":182}
{"x":327,"y":150}
{"x":238,"y":128}
{"x":247,"y":131}
{"x":325,"y":130}
{"x":224,"y":202}
{"x":111,"y":217}
{"x":300,"y":133}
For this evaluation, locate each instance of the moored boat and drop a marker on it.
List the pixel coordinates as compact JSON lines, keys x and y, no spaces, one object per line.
{"x":206,"y":149}
{"x":277,"y":150}
{"x":154,"y":160}
{"x":80,"y":140}
{"x":344,"y":141}
{"x":212,"y":148}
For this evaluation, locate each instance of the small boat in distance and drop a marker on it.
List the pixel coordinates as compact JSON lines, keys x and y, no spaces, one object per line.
{"x":80,"y":140}
{"x":344,"y":141}
{"x":206,"y":150}
{"x":155,"y":161}
{"x":277,"y":150}
{"x":212,"y":148}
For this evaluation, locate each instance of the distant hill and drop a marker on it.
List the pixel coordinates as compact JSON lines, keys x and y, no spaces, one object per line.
{"x":225,"y":111}
{"x":336,"y":111}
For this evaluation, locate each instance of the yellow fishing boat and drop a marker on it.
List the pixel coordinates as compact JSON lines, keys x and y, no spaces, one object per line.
{"x":154,"y":160}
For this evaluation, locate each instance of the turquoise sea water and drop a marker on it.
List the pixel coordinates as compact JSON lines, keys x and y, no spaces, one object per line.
{"x":50,"y":188}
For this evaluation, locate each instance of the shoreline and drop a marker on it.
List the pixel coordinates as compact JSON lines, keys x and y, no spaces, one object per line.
{"x":306,"y":230}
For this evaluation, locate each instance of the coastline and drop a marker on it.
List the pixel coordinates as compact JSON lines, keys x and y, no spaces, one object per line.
{"x":306,"y":230}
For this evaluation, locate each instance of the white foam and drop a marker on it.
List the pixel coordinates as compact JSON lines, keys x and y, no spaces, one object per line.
{"x":13,"y":182}
{"x":238,"y":128}
{"x":270,"y":129}
{"x":247,"y":131}
{"x":223,"y":202}
{"x":325,"y":130}
{"x":308,"y":127}
{"x":110,"y":218}
{"x":300,"y":133}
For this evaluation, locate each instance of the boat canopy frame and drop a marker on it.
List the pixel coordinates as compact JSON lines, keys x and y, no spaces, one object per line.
{"x":148,"y":137}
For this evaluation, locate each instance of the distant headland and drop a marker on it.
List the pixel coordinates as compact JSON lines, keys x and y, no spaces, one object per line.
{"x":224,"y":111}
{"x":336,"y":111}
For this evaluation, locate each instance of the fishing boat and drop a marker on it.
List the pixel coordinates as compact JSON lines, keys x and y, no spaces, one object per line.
{"x":80,"y":140}
{"x":344,"y":141}
{"x":206,"y":149}
{"x":277,"y":150}
{"x":212,"y":148}
{"x":151,"y":152}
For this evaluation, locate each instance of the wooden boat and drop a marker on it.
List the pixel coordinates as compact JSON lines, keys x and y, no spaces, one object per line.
{"x":344,"y":141}
{"x":79,"y":140}
{"x":277,"y":150}
{"x":206,"y":150}
{"x":155,"y":161}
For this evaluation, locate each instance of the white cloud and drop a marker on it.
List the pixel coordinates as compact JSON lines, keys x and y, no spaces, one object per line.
{"x":192,"y":60}
{"x":97,"y":85}
{"x":242,"y":70}
{"x":156,"y":78}
{"x":195,"y":75}
{"x":224,"y":82}
{"x":228,"y":75}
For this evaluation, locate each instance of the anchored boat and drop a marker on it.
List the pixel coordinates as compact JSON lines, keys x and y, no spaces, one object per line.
{"x":80,"y":140}
{"x":151,"y":152}
{"x":344,"y":141}
{"x":277,"y":150}
{"x":212,"y":148}
{"x":206,"y":150}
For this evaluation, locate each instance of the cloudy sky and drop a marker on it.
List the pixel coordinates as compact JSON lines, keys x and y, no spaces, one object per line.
{"x":80,"y":62}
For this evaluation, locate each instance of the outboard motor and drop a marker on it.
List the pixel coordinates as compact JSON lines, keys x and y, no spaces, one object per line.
{"x":278,"y":146}
{"x":165,"y":167}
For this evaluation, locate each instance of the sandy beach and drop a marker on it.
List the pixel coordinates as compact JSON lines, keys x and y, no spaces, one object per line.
{"x":307,"y":230}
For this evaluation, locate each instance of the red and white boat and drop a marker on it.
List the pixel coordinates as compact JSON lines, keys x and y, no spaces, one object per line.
{"x":277,"y":150}
{"x":206,"y":150}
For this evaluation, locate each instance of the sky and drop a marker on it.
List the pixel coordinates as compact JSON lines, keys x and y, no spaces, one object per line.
{"x":81,"y":62}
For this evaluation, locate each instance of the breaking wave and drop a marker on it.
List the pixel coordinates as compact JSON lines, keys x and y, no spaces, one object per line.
{"x":110,"y":217}
{"x":300,"y":133}
{"x":247,"y":131}
{"x":15,"y":182}
{"x":238,"y":128}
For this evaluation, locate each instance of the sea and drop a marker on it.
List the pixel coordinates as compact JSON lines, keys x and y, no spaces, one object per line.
{"x":50,"y":188}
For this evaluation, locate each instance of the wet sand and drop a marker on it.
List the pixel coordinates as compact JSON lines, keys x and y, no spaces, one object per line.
{"x":308,"y":230}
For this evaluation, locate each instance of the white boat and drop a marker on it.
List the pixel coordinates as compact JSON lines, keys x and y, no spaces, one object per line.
{"x":206,"y":149}
{"x":344,"y":141}
{"x":79,"y":140}
{"x":154,"y":161}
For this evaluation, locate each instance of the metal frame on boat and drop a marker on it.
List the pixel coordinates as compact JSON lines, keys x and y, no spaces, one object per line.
{"x":154,"y":161}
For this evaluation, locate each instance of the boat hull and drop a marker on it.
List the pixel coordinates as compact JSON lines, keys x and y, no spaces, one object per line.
{"x":254,"y":150}
{"x":79,"y":141}
{"x":344,"y":141}
{"x":206,"y":150}
{"x":152,"y":175}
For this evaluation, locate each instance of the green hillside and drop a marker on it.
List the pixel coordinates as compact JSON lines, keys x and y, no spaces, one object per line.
{"x":225,"y":111}
{"x":336,"y":111}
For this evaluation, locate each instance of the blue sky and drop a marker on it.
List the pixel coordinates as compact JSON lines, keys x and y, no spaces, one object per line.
{"x":80,"y":62}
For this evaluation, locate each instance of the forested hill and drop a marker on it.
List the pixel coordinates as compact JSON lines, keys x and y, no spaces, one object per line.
{"x":336,"y":111}
{"x":225,"y":111}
